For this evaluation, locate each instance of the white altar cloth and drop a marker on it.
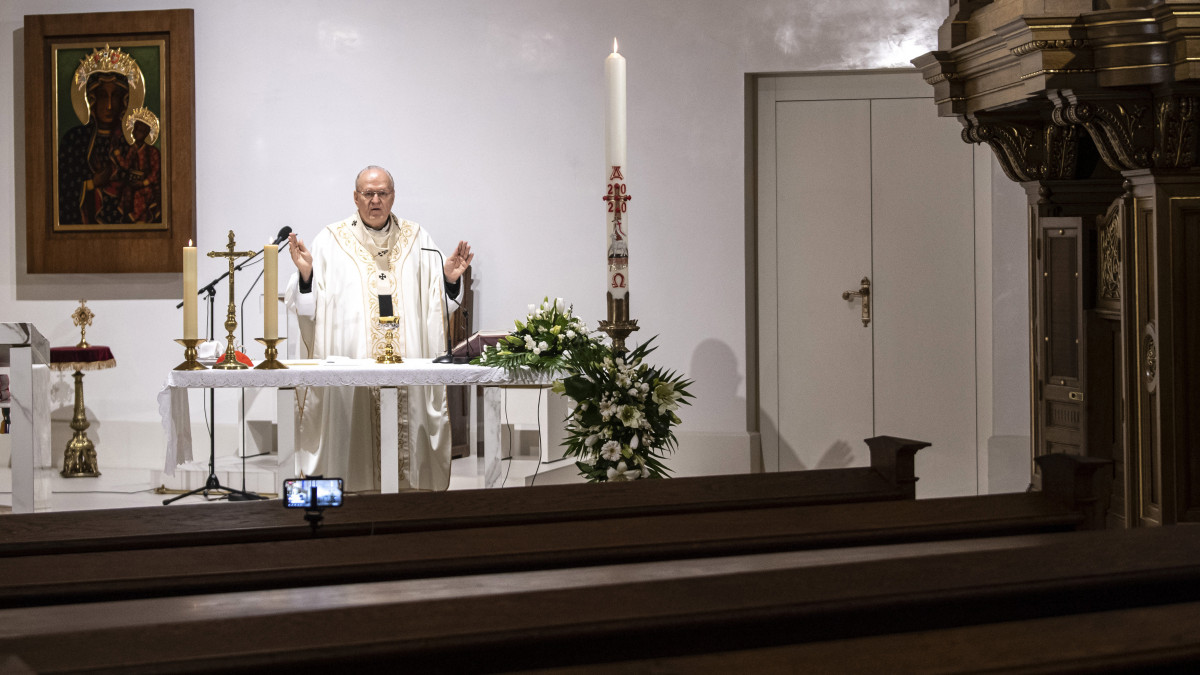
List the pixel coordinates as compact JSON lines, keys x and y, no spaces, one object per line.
{"x":336,"y":372}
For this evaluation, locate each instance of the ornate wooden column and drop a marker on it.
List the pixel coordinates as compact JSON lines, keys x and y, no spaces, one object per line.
{"x":1097,"y":113}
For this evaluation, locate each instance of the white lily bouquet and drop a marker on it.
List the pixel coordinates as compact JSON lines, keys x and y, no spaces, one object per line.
{"x":548,"y":335}
{"x":621,"y":426}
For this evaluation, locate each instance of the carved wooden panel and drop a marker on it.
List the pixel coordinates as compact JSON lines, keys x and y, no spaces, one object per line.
{"x":1139,"y":321}
{"x":1187,"y":304}
{"x":1106,"y":428}
{"x":1108,"y":257}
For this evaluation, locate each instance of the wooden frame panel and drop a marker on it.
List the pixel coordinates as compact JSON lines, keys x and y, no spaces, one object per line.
{"x":112,"y":248}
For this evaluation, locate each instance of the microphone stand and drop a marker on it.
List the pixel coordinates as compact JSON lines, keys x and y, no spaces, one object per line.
{"x":243,"y":495}
{"x":449,"y":356}
{"x":212,"y":483}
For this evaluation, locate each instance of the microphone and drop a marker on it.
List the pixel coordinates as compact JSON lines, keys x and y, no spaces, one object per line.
{"x":283,"y":234}
{"x":448,"y":357}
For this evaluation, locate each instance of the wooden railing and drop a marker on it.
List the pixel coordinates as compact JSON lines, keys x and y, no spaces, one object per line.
{"x":890,"y":477}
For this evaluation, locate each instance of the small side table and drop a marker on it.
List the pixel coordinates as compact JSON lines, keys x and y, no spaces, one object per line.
{"x":79,"y":460}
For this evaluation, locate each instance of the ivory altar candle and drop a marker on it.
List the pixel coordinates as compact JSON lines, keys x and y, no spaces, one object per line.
{"x":616,"y":193}
{"x":189,"y":292}
{"x":614,"y":137}
{"x":270,"y":291}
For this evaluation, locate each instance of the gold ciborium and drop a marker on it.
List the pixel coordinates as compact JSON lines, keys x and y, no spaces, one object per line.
{"x":389,"y":354}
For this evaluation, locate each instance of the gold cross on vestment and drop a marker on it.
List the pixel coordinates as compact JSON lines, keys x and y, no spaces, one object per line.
{"x":231,"y":362}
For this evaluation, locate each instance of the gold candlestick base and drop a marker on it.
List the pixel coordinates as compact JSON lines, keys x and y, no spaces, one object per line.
{"x":79,"y":460}
{"x":269,"y":361}
{"x":389,"y":354}
{"x":230,"y":361}
{"x":618,"y":331}
{"x":189,"y":355}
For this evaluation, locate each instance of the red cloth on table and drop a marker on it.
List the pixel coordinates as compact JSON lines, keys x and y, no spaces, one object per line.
{"x":97,"y":355}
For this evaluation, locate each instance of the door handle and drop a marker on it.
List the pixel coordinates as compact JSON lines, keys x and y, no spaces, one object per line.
{"x":863,"y":292}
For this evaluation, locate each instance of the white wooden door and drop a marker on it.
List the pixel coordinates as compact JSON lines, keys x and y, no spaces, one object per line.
{"x":858,"y":177}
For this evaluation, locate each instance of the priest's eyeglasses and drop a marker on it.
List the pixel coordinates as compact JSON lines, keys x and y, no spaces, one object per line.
{"x":372,"y":194}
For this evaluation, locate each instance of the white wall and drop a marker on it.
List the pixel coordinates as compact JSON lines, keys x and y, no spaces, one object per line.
{"x":1001,"y":336}
{"x":1009,"y":447}
{"x":490,"y":115}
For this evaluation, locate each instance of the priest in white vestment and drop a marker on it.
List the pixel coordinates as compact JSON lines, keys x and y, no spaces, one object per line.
{"x":336,"y":292}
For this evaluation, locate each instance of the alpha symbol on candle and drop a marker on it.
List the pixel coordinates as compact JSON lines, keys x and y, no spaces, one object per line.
{"x":616,"y":174}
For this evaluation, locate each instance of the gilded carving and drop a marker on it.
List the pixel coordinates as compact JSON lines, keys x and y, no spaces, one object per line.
{"x":1137,"y":134}
{"x":1121,"y":131}
{"x":1028,"y":152}
{"x":1176,"y":142}
{"x":1110,"y":254}
{"x":1039,"y":45}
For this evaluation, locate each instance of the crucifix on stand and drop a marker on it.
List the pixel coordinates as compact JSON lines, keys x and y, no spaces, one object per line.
{"x":230,"y":362}
{"x":212,"y":483}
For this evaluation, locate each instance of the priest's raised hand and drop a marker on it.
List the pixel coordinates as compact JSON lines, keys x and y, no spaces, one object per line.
{"x":301,"y":256}
{"x":456,"y":263}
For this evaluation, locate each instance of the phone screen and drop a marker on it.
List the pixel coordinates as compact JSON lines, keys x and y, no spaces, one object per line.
{"x":309,"y":493}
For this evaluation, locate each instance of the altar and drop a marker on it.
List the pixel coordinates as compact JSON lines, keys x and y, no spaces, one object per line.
{"x":26,"y":352}
{"x":176,"y":415}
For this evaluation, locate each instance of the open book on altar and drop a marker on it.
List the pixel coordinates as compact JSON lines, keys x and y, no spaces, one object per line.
{"x":474,"y":345}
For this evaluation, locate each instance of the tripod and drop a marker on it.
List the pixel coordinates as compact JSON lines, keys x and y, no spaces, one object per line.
{"x":212,"y":484}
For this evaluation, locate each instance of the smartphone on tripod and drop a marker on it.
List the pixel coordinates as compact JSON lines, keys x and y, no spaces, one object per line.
{"x":312,"y":493}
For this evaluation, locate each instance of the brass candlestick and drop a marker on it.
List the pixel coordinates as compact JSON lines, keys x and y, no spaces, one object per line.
{"x":231,"y":362}
{"x":270,"y":362}
{"x":79,"y":461}
{"x":618,"y":331}
{"x":389,"y":354}
{"x":189,"y":355}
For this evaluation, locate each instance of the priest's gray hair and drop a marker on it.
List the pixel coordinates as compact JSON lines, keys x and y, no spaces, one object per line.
{"x":372,"y":166}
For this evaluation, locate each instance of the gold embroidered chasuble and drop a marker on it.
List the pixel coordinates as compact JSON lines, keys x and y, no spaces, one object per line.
{"x":339,"y":426}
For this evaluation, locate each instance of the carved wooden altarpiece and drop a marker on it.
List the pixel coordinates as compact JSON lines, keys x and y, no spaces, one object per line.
{"x":1094,"y":107}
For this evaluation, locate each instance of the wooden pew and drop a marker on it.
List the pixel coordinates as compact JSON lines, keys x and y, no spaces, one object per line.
{"x":977,"y":593}
{"x":1159,"y":638}
{"x":891,"y":476}
{"x":58,"y":578}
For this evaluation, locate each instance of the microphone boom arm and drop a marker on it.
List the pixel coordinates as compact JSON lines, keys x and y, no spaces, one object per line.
{"x":448,"y":357}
